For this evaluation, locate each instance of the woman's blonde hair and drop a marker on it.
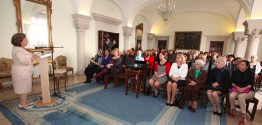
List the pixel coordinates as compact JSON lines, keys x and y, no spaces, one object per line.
{"x":182,"y":57}
{"x":203,"y":56}
{"x":116,"y":49}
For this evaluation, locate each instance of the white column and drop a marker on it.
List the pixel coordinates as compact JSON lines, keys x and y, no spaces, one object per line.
{"x":82,"y":23}
{"x":239,"y":39}
{"x":253,"y":30}
{"x":127,"y":32}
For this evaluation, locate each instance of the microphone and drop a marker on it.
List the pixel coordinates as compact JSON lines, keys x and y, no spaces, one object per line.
{"x":46,"y":47}
{"x":39,"y":47}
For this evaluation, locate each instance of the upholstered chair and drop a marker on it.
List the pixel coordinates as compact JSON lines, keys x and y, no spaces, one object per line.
{"x":5,"y":70}
{"x":61,"y":64}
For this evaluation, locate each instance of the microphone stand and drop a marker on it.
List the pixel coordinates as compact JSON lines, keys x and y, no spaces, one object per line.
{"x":53,"y":70}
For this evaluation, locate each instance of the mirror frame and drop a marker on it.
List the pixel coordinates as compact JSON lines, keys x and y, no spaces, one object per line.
{"x":19,"y":23}
{"x":139,"y":27}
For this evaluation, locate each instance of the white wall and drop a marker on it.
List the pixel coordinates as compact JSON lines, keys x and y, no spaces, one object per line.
{"x":106,"y":8}
{"x":62,"y":24}
{"x":64,"y":32}
{"x":132,"y":41}
{"x":208,"y":23}
{"x":8,"y":27}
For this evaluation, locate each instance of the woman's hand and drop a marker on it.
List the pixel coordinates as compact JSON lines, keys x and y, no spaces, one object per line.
{"x":109,"y":66}
{"x":175,"y":78}
{"x":215,"y":84}
{"x":35,"y":57}
{"x":192,"y":83}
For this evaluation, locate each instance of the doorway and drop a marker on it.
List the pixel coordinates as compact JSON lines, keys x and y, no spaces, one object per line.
{"x":216,"y":46}
{"x":162,"y":44}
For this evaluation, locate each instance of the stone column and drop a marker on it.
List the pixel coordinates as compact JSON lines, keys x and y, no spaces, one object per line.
{"x":239,"y":38}
{"x":127,"y":32}
{"x":82,"y":23}
{"x":253,"y":30}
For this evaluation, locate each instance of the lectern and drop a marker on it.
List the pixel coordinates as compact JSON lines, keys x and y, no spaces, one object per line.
{"x":46,"y":99}
{"x":44,"y":80}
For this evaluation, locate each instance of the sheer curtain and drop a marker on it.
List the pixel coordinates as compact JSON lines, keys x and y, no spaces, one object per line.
{"x":37,"y":33}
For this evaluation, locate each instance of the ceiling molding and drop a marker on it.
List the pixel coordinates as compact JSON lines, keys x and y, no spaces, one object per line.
{"x":207,"y":11}
{"x":106,"y":19}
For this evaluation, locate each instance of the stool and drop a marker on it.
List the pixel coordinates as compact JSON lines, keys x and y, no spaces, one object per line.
{"x":60,"y":73}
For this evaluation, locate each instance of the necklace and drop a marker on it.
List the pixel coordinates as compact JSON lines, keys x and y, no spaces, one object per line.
{"x":161,"y":62}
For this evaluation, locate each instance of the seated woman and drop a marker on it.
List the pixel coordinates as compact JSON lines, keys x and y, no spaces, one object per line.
{"x":115,"y":65}
{"x":105,"y":60}
{"x":93,"y":66}
{"x":254,"y":65}
{"x":242,"y":82}
{"x":177,"y":75}
{"x":139,"y":56}
{"x":195,"y":80}
{"x":161,"y":70}
{"x":218,"y":84}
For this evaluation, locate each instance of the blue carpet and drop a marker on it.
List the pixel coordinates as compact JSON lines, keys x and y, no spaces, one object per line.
{"x":10,"y":116}
{"x":69,"y":118}
{"x":91,"y":104}
{"x":113,"y":101}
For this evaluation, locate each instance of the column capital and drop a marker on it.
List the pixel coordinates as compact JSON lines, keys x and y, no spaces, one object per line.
{"x":253,"y":28}
{"x":81,"y":22}
{"x":127,"y":31}
{"x":150,"y":36}
{"x":239,"y":36}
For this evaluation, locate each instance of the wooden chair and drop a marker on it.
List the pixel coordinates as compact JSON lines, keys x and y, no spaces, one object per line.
{"x":224,"y":102}
{"x":254,"y":100}
{"x":5,"y":70}
{"x":60,"y":74}
{"x":61,"y":64}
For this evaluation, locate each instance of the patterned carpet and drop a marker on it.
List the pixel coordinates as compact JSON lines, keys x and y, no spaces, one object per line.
{"x":91,"y":104}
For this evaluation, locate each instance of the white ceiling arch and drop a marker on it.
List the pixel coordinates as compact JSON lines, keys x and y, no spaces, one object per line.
{"x":146,"y":21}
{"x":130,"y":8}
{"x":85,"y":7}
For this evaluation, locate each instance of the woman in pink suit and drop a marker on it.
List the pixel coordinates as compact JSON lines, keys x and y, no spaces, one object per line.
{"x":22,"y":69}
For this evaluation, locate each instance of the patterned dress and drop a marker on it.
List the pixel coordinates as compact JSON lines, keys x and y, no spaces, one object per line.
{"x":161,"y":69}
{"x":22,"y":70}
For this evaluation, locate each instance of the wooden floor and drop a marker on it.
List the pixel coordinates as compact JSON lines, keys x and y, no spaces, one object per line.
{"x":8,"y":93}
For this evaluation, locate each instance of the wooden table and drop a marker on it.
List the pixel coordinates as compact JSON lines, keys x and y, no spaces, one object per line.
{"x":140,"y":79}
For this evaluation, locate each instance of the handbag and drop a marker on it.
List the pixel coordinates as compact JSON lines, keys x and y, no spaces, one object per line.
{"x":234,"y":89}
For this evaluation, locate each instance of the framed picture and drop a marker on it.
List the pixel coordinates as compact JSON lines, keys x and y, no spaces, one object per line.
{"x":108,"y":40}
{"x":187,"y":40}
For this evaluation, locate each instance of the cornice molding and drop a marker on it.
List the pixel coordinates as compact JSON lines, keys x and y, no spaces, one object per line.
{"x":106,"y":19}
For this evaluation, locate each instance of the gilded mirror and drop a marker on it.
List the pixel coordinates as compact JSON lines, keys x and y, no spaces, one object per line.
{"x":139,"y":34}
{"x":34,"y":19}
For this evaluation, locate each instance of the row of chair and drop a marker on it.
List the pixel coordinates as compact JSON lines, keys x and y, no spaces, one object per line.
{"x":6,"y":67}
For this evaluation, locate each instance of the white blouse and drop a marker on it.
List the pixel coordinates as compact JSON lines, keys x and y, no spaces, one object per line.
{"x":258,"y":67}
{"x":175,"y":71}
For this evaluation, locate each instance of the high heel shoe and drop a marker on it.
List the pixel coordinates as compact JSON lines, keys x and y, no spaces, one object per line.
{"x":31,"y":103}
{"x":242,"y":121}
{"x":232,"y":113}
{"x":29,"y":107}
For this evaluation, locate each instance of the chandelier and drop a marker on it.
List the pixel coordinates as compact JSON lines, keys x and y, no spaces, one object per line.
{"x":166,"y":10}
